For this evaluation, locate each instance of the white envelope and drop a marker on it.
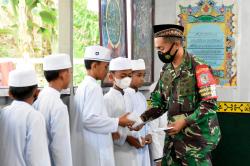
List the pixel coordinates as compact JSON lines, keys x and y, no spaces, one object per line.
{"x":162,"y":129}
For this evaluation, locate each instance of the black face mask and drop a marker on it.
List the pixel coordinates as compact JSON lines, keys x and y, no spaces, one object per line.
{"x":167,"y":57}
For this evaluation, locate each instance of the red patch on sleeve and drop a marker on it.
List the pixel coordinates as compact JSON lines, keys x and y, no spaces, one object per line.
{"x":204,"y":76}
{"x":205,"y":82}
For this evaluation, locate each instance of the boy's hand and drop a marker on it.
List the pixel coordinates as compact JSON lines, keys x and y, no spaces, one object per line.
{"x":138,"y":122}
{"x":136,"y":128}
{"x":135,"y":142}
{"x":177,"y":126}
{"x":116,"y":136}
{"x":124,"y":121}
{"x":158,"y":163}
{"x":148,"y":139}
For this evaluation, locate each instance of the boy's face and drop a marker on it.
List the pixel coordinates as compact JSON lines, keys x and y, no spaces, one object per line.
{"x":137,"y":78}
{"x":120,"y":74}
{"x":101,"y":70}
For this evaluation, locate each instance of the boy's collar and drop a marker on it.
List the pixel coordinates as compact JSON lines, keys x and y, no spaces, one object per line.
{"x":118,"y":89}
{"x":134,"y":88}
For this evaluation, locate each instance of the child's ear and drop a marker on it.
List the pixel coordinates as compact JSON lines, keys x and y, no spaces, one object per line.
{"x":10,"y":95}
{"x":94,"y":65}
{"x":36,"y":93}
{"x":60,"y":76}
{"x":110,"y":76}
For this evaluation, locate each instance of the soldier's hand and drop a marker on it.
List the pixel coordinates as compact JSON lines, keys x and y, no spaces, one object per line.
{"x":124,"y":121}
{"x":177,"y":126}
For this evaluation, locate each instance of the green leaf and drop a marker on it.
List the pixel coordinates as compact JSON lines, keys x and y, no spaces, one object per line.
{"x":30,"y":24}
{"x":5,"y":31}
{"x":14,"y":5}
{"x":45,"y":32}
{"x":32,"y":3}
{"x":48,"y":17}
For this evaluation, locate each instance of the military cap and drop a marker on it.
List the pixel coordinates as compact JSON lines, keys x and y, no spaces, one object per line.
{"x":168,"y":30}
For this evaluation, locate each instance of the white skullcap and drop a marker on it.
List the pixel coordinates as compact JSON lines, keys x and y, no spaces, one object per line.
{"x":56,"y":62}
{"x":22,"y":78}
{"x":120,"y":63}
{"x":138,"y":64}
{"x":97,"y":53}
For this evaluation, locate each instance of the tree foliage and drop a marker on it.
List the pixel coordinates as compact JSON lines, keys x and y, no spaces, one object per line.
{"x":31,"y":27}
{"x":28,"y":27}
{"x":86,"y":33}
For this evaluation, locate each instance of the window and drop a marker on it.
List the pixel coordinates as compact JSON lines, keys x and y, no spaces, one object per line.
{"x":85,"y":33}
{"x":28,"y":31}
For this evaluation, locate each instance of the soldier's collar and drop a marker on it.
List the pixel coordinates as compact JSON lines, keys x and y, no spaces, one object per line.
{"x":187,"y":61}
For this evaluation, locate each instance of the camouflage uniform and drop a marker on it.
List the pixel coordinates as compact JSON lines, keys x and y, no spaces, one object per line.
{"x":177,"y":92}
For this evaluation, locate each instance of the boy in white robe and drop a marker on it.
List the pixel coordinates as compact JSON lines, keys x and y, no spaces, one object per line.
{"x":137,"y":101}
{"x":158,"y":135}
{"x":23,"y":140}
{"x":57,"y":72}
{"x":91,"y":127}
{"x":125,"y":146}
{"x":158,"y":138}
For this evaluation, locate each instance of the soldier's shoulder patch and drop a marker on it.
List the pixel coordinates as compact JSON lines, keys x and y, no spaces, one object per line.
{"x":205,"y":82}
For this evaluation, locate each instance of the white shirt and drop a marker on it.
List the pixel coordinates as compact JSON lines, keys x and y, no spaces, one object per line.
{"x":158,"y":138}
{"x":138,"y":104}
{"x":57,"y":123}
{"x":23,"y":140}
{"x":91,"y":127}
{"x":124,"y":153}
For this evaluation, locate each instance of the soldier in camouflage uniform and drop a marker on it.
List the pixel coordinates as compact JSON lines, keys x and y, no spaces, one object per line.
{"x":186,"y":90}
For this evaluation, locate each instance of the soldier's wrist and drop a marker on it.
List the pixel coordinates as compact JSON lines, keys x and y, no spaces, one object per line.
{"x":188,"y":121}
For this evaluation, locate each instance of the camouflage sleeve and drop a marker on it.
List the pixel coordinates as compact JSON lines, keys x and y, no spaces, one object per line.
{"x":205,"y":110}
{"x":157,"y":106}
{"x":206,"y":91}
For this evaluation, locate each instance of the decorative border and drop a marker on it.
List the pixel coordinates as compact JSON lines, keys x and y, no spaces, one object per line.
{"x":113,"y":26}
{"x":234,"y":107}
{"x":142,"y":35}
{"x":215,"y":12}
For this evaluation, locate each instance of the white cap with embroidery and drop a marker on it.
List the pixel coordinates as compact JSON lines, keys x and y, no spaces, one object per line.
{"x":120,"y":63}
{"x":138,"y":64}
{"x":22,"y":78}
{"x":56,"y":62}
{"x":98,"y":53}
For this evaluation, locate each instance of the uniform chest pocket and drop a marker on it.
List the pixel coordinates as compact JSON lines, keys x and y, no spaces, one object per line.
{"x":186,"y":92}
{"x":186,"y":84}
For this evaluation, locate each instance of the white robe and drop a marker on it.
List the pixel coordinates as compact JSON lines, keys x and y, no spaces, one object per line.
{"x":23,"y":140}
{"x":125,"y":155}
{"x":138,"y":104}
{"x":57,"y":123}
{"x":158,"y":138}
{"x":91,"y":127}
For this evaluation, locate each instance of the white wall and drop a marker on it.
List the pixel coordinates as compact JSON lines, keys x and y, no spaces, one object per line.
{"x":165,"y":12}
{"x":242,"y":92}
